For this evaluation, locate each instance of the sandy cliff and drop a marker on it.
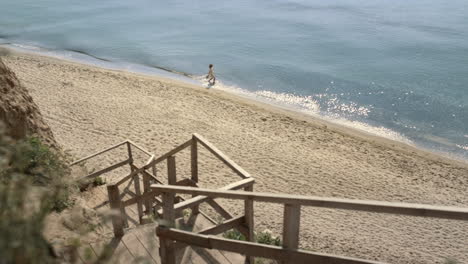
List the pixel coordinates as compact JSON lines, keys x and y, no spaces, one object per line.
{"x":18,"y":111}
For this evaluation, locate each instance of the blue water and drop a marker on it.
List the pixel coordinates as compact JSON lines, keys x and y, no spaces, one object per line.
{"x":395,"y":68}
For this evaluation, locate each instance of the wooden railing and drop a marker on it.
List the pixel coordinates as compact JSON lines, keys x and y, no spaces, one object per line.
{"x":129,"y":160}
{"x":289,"y":252}
{"x":114,"y":194}
{"x":146,"y":199}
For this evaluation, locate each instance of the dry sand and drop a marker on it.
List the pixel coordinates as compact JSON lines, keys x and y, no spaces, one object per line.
{"x":90,"y":108}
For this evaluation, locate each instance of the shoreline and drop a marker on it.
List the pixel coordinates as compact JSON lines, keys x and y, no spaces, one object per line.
{"x":185,"y":79}
{"x":90,"y":108}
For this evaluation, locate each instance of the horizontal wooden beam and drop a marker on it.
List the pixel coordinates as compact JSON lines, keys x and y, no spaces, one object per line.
{"x":98,"y":153}
{"x":200,"y":199}
{"x":138,"y":198}
{"x":108,"y":169}
{"x":170,"y":153}
{"x":225,"y":226}
{"x":447,"y":212}
{"x":221,"y":156}
{"x":255,"y":249}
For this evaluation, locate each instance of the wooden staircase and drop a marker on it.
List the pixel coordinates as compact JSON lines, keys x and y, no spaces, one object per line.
{"x":151,"y":220}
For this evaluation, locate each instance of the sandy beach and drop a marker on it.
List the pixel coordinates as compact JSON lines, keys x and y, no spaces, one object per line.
{"x":90,"y":108}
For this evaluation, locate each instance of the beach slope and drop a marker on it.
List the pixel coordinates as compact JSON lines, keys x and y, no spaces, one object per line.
{"x":90,"y":108}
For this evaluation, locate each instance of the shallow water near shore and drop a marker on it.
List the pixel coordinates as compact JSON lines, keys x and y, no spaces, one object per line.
{"x":396,"y":69}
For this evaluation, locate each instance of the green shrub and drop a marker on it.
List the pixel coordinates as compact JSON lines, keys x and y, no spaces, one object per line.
{"x":99,"y":181}
{"x":234,"y":234}
{"x":266,"y":237}
{"x":43,"y":167}
{"x":35,"y":159}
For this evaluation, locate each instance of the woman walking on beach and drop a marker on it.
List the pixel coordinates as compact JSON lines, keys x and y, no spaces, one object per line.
{"x":210,"y":76}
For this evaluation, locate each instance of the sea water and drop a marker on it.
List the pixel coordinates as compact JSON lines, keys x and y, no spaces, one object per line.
{"x":396,"y":68}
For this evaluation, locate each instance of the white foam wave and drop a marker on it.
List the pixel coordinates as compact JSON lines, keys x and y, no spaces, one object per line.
{"x":310,"y":106}
{"x":464,"y":147}
{"x":26,"y":47}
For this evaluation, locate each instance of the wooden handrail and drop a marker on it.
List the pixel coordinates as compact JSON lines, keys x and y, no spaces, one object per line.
{"x":140,"y":148}
{"x":255,"y":249}
{"x":221,"y":156}
{"x":105,"y":170}
{"x":447,"y":212}
{"x":98,"y":153}
{"x":170,"y":153}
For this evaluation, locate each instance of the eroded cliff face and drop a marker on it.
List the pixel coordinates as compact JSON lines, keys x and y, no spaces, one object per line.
{"x":18,"y":112}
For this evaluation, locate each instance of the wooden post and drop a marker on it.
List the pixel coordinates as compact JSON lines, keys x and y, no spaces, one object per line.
{"x":154,"y":170}
{"x":166,"y":248}
{"x":136,"y":180}
{"x":146,"y":188}
{"x":117,"y":218}
{"x":194,"y":168}
{"x":130,"y":156}
{"x":171,"y":170}
{"x":292,"y":219}
{"x":249,"y":221}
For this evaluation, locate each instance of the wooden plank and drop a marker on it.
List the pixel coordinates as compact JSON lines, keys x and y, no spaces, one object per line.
{"x":200,"y":199}
{"x":115,"y":250}
{"x":170,"y":153}
{"x":97,"y":153}
{"x":221,"y":156}
{"x":254,"y":249}
{"x":291,"y":222}
{"x":146,"y":235}
{"x":203,"y":255}
{"x":131,"y":216}
{"x":447,"y":212}
{"x":136,"y":248}
{"x":105,"y":170}
{"x":200,"y":255}
{"x":115,"y":205}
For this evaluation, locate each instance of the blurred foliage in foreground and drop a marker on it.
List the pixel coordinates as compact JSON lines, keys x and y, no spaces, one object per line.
{"x":33,"y":183}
